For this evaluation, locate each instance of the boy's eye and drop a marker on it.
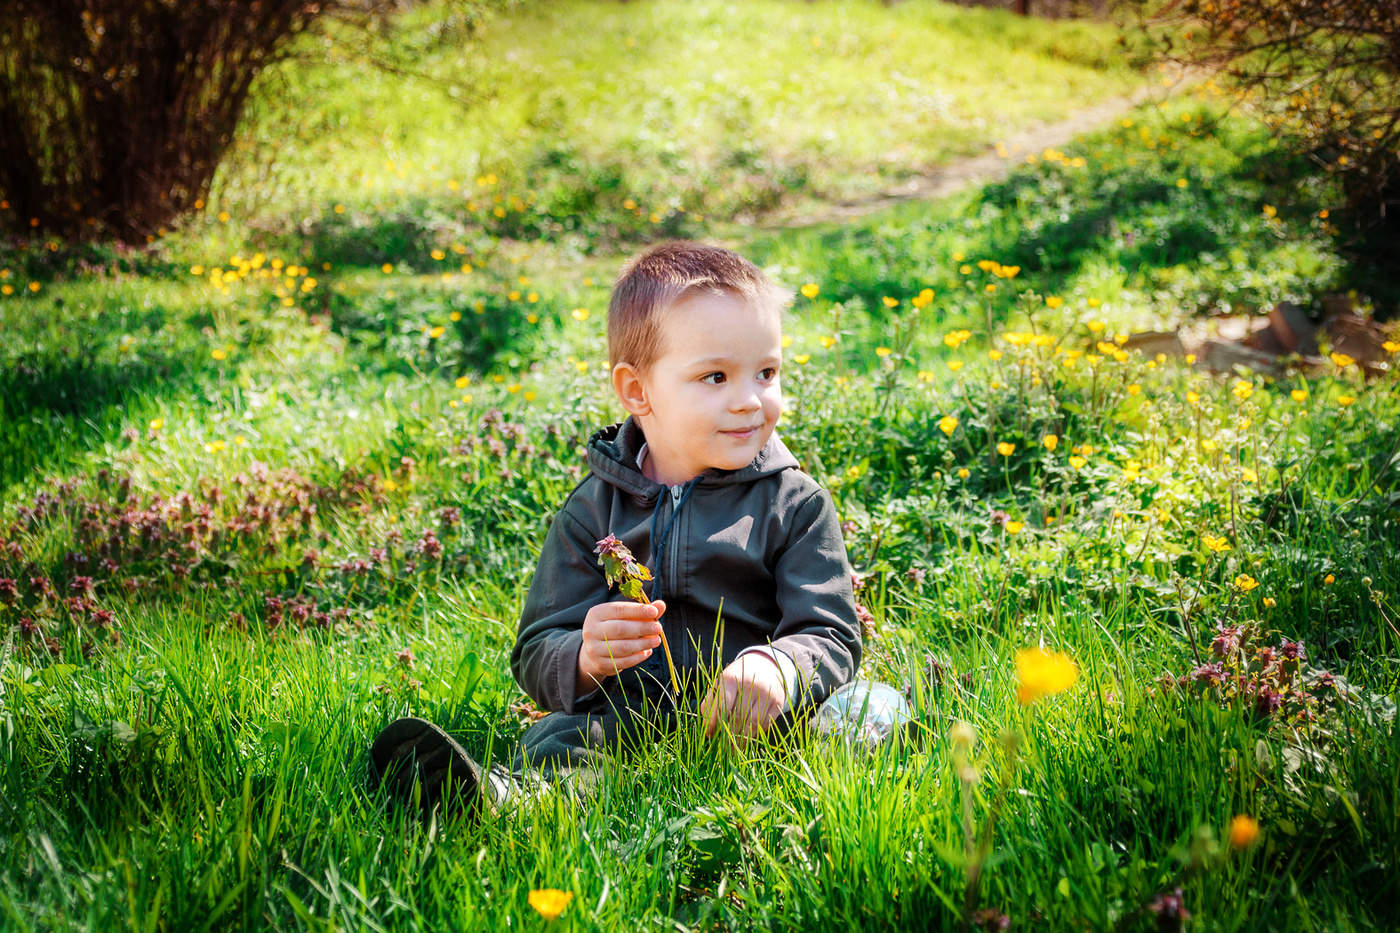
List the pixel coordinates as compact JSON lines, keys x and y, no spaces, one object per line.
{"x":713,"y":378}
{"x":769,"y":373}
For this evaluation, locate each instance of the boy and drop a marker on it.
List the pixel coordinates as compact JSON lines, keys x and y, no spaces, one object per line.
{"x":700,"y":489}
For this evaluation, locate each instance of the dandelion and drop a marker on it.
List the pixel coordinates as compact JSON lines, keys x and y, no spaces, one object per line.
{"x":947,"y":424}
{"x":218,"y":354}
{"x":810,"y":290}
{"x":549,"y":903}
{"x":579,"y":314}
{"x":955,"y":365}
{"x":1345,"y":400}
{"x":787,"y":341}
{"x":387,"y":268}
{"x":1243,"y":389}
{"x":438,"y":255}
{"x":1341,"y":360}
{"x":1077,"y":462}
{"x":1006,"y":448}
{"x":1095,"y":326}
{"x":34,"y":286}
{"x":1051,"y":441}
{"x":802,"y":358}
{"x":1299,"y":395}
{"x":957,"y":338}
{"x":826,"y":341}
{"x":994,"y":354}
{"x":882,"y":352}
{"x":437,"y":332}
{"x":1041,"y":673}
{"x":991,"y":288}
{"x":1245,"y":582}
{"x":1244,"y":831}
{"x":1182,"y":183}
{"x":1053,"y":301}
{"x":1009,"y":272}
{"x":964,"y":472}
{"x":890,"y":302}
{"x":1014,"y":527}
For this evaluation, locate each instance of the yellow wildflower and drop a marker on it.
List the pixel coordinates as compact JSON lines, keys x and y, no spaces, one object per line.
{"x":1050,"y":441}
{"x":1041,"y":673}
{"x":964,"y":472}
{"x":1077,"y":462}
{"x":1053,"y":301}
{"x":1244,"y":831}
{"x":1345,"y":400}
{"x":810,"y":290}
{"x":1014,"y":527}
{"x":1245,"y":582}
{"x":1299,"y":395}
{"x":1216,"y":545}
{"x":955,"y":365}
{"x":1006,"y":448}
{"x":1342,"y":360}
{"x":882,"y":352}
{"x":549,"y":903}
{"x":947,"y":424}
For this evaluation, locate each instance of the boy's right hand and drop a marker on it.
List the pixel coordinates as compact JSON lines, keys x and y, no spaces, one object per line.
{"x":617,"y":636}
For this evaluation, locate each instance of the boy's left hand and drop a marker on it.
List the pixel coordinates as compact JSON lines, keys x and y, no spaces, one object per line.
{"x":749,"y":694}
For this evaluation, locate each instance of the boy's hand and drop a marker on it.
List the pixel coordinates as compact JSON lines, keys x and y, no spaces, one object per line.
{"x":617,"y":636}
{"x":749,"y":694}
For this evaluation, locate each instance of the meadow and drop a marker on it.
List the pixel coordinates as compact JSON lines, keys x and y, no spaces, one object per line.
{"x":281,"y":476}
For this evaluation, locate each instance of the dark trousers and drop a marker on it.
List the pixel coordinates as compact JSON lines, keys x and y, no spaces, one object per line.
{"x":617,"y":724}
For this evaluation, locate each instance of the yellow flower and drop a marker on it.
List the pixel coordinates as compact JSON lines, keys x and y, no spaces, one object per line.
{"x":810,"y":290}
{"x":157,"y":424}
{"x":579,"y":314}
{"x":461,"y":381}
{"x":1248,"y":475}
{"x":927,"y":375}
{"x":965,"y":270}
{"x":991,"y":288}
{"x":1329,"y":580}
{"x":581,"y":366}
{"x":34,"y":286}
{"x":994,"y":354}
{"x":1134,"y":389}
{"x":390,"y":485}
{"x":1342,"y":360}
{"x":1391,"y":346}
{"x":1095,"y":326}
{"x":387,"y":268}
{"x":787,"y":341}
{"x":988,"y":265}
{"x":549,"y":903}
{"x":1244,"y":831}
{"x":1245,"y":582}
{"x":1041,"y":673}
{"x":1216,"y":545}
{"x":1077,"y":462}
{"x":218,"y":354}
{"x":1270,"y":602}
{"x":801,"y":358}
{"x":1009,"y":272}
{"x":1345,"y":400}
{"x":1181,"y":183}
{"x":1243,"y":389}
{"x":1050,"y":441}
{"x":1006,"y":448}
{"x":964,"y":472}
{"x":1014,"y":527}
{"x":947,"y":424}
{"x":438,"y":255}
{"x":1299,"y":395}
{"x":1053,"y":301}
{"x":890,"y":302}
{"x":1192,"y":398}
{"x":437,"y":332}
{"x":514,"y":294}
{"x":957,"y":338}
{"x":882,"y":351}
{"x":826,"y":341}
{"x":955,"y":365}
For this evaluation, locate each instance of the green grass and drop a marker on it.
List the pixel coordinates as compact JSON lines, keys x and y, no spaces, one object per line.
{"x":197,"y":759}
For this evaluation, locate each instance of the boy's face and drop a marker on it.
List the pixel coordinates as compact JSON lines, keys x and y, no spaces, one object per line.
{"x":712,"y":397}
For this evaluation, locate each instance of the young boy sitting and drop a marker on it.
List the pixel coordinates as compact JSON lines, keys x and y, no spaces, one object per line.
{"x":750,"y":572}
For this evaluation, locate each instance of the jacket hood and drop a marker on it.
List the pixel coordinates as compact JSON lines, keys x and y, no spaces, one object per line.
{"x":612,"y":455}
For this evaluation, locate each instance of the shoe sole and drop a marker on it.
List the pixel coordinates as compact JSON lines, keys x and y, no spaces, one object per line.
{"x":415,"y":762}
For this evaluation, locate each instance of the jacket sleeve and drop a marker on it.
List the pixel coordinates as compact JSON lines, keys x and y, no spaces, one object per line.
{"x":568,"y":582}
{"x":818,"y":629}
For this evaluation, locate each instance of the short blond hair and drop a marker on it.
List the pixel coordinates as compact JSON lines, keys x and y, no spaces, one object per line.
{"x":660,"y":277}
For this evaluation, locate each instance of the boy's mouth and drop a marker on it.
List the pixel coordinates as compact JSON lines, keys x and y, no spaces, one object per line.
{"x":742,"y":432}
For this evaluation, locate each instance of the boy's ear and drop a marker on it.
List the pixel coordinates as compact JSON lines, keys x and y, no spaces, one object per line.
{"x":631,"y":390}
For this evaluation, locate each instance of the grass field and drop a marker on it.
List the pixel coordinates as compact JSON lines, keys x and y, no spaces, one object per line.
{"x":268,"y":485}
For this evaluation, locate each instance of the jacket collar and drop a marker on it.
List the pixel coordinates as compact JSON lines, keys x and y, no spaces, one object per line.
{"x":612,"y":455}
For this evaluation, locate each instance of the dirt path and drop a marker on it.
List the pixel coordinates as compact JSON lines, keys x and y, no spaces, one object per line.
{"x":989,"y":166}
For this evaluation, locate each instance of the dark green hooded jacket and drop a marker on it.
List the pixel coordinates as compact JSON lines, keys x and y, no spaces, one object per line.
{"x":764,"y":539}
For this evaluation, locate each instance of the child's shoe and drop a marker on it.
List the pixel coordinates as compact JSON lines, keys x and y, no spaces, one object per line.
{"x":419,"y":764}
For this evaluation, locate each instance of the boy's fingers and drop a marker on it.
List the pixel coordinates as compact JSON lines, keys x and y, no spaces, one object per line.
{"x":626,"y":647}
{"x":618,"y":629}
{"x":619,"y":663}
